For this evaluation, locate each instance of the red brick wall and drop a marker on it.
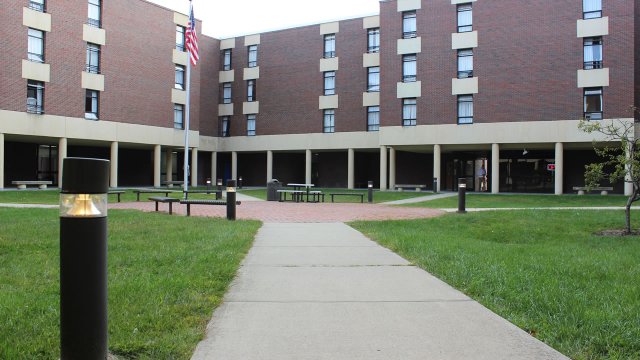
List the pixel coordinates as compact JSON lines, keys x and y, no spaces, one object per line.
{"x":13,"y":88}
{"x":208,"y":67}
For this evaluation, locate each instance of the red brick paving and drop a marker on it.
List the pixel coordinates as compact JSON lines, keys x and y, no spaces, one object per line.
{"x":276,"y":212}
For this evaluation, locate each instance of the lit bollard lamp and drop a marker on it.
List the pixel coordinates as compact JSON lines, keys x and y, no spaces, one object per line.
{"x":83,"y":259}
{"x":219,"y":189}
{"x":462,"y":190}
{"x":370,"y":192}
{"x":231,"y":199}
{"x":240,"y":182}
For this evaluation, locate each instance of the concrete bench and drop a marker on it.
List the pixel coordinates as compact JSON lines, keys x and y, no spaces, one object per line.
{"x":165,"y":200}
{"x":214,"y":192}
{"x":23,"y":184}
{"x":604,"y":190}
{"x":348,"y":194}
{"x":171,"y":183}
{"x":296,"y":195}
{"x":401,"y":187}
{"x":203,"y":202}
{"x":116,"y":192}
{"x":151,"y":191}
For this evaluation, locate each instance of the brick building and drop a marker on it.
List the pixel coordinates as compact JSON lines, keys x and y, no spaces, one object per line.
{"x":442,"y":89}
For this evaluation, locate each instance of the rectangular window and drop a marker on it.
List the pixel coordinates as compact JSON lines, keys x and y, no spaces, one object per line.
{"x":35,"y":97}
{"x":373,"y":79}
{"x":226,"y":59}
{"x":373,"y":118}
{"x":35,"y":45}
{"x":253,"y":56}
{"x":373,"y":40}
{"x":178,"y":116}
{"x":179,"y":77}
{"x":593,"y":104}
{"x":91,"y":105}
{"x":224,"y":126}
{"x":465,"y":18}
{"x":591,"y":9}
{"x":37,"y":5}
{"x":593,"y":53}
{"x":465,"y":63}
{"x":465,"y":109}
{"x":409,"y":112}
{"x":94,"y":13}
{"x":409,"y":25}
{"x":180,"y":38}
{"x":251,"y":125}
{"x":329,"y":46}
{"x":251,"y":90}
{"x":329,"y":82}
{"x":93,"y":59}
{"x":226,"y":93}
{"x":329,"y":121}
{"x":409,"y":68}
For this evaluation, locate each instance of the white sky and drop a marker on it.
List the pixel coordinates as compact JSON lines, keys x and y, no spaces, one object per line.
{"x":229,"y":18}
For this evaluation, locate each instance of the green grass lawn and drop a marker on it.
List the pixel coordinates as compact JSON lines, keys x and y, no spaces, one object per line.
{"x":51,"y":197}
{"x":525,"y":201}
{"x":378,"y":196}
{"x":542,"y":270}
{"x":166,"y":276}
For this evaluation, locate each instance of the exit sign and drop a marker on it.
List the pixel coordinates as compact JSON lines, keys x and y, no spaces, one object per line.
{"x":551,"y":167}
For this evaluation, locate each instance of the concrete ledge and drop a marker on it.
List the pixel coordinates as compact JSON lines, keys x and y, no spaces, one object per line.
{"x":180,"y":57}
{"x":228,"y":44}
{"x":465,"y":40}
{"x":225,"y":109}
{"x":331,"y":64}
{"x":408,"y":5}
{"x":371,"y":99}
{"x":93,"y":34}
{"x":252,"y":40}
{"x":180,"y":19}
{"x":251,"y":107}
{"x":328,"y":102}
{"x":226,"y":76}
{"x":593,"y":78}
{"x":369,"y":60}
{"x":329,"y":28}
{"x":409,"y":90}
{"x":592,"y":27}
{"x":36,"y":19}
{"x":409,"y":46}
{"x":178,"y":96}
{"x":36,"y":71}
{"x":371,"y":22}
{"x":251,"y":73}
{"x":92,"y":81}
{"x":464,"y":86}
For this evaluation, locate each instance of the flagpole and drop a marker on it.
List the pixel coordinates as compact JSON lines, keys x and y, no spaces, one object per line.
{"x":187,"y":123}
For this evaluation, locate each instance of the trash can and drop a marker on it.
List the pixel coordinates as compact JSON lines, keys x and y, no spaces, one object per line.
{"x":272,"y":190}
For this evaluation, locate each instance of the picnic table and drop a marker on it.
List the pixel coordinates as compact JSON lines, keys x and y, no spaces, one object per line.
{"x":299,"y":187}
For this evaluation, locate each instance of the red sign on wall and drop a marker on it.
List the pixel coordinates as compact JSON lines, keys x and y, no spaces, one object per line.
{"x":551,"y":167}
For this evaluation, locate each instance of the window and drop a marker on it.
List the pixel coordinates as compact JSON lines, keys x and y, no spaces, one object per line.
{"x":35,"y":97}
{"x":465,"y":109}
{"x":409,"y":68}
{"x":93,"y":59}
{"x":94,"y":13}
{"x":373,"y":118}
{"x":409,"y":25}
{"x":226,"y":59}
{"x":329,"y":121}
{"x":465,"y":18}
{"x":253,"y":56}
{"x":178,"y":116}
{"x":91,"y":105}
{"x":226,"y":93}
{"x":180,"y":38}
{"x":251,"y":90}
{"x":593,"y":53}
{"x":251,"y":125}
{"x":593,"y":104}
{"x":591,"y":9}
{"x":329,"y":82}
{"x":373,"y":40}
{"x":224,"y":126}
{"x":37,"y":5}
{"x":35,"y":46}
{"x":373,"y":79}
{"x":329,"y":46}
{"x":409,"y":112}
{"x":179,"y":77}
{"x":465,"y":63}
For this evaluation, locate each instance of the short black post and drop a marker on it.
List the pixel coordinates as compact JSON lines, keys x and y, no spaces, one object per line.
{"x":208,"y":186}
{"x":83,"y":259}
{"x":219,"y":190}
{"x":435,"y":185}
{"x":240,"y":182}
{"x":231,"y":199}
{"x":370,"y":192}
{"x":462,"y":190}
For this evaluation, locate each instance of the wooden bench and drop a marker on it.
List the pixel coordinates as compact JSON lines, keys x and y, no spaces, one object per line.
{"x":165,"y":200}
{"x":203,"y":202}
{"x":116,"y":192}
{"x":316,"y":196}
{"x":296,"y":195}
{"x":348,"y":194}
{"x":400,"y":187}
{"x":604,"y":190}
{"x":187,"y":192}
{"x":151,"y":191}
{"x":23,"y":184}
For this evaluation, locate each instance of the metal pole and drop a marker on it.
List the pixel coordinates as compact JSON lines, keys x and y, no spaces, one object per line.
{"x":219,"y":189}
{"x":231,"y":199}
{"x":435,"y":185}
{"x":187,"y":124}
{"x":462,"y":189}
{"x":370,"y":192}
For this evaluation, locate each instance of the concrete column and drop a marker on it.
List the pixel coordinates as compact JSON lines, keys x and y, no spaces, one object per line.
{"x":234,"y":165}
{"x":351,"y":169}
{"x":194,"y":167}
{"x":392,"y":168}
{"x":214,"y":167}
{"x":559,"y":173}
{"x":628,"y":185}
{"x":113,"y":176}
{"x":383,"y":167}
{"x":62,"y":153}
{"x":1,"y":161}
{"x":168,"y":158}
{"x":437,"y":155}
{"x":269,"y":165}
{"x":157,"y":158}
{"x":495,"y":168}
{"x":307,"y":167}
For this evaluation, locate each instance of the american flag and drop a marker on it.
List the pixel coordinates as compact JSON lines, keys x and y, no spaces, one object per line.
{"x":192,"y":37}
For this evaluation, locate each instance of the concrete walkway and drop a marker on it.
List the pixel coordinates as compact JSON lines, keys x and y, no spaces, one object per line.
{"x":29,"y":206}
{"x":324,"y":291}
{"x":421,"y":199}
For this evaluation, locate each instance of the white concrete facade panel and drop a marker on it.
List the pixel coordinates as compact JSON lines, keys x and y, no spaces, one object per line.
{"x":409,"y":46}
{"x":252,"y":40}
{"x":226,"y":76}
{"x":178,"y":96}
{"x":228,"y":44}
{"x":330,"y":64}
{"x":92,"y":81}
{"x":371,"y":22}
{"x":180,"y":57}
{"x":369,"y":60}
{"x":593,"y":27}
{"x":225,"y":109}
{"x":409,"y":90}
{"x":252,"y":107}
{"x":329,"y":28}
{"x":180,"y":19}
{"x":456,"y":2}
{"x":408,"y":5}
{"x":593,"y":78}
{"x":370,"y":99}
{"x":328,"y":102}
{"x":251,"y":73}
{"x":466,"y":40}
{"x":36,"y":19}
{"x":94,"y":35}
{"x":464,"y":86}
{"x":36,"y":71}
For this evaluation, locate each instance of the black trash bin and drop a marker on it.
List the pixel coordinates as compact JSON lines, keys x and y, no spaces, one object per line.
{"x":272,"y":190}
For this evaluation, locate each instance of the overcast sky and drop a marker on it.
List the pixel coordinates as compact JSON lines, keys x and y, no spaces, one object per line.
{"x":229,"y":18}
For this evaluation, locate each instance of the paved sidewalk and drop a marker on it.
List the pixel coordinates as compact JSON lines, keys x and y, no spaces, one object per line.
{"x":29,"y":206}
{"x":451,"y":210}
{"x":324,"y":291}
{"x":421,"y":199}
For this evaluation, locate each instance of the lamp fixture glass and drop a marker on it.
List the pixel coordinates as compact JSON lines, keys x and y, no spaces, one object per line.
{"x":83,"y":205}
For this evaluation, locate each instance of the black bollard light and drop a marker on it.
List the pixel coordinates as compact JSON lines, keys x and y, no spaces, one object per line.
{"x":370,"y":192}
{"x":462,"y":190}
{"x":219,"y":190}
{"x":231,"y":199}
{"x":435,"y":185}
{"x":240,"y":182}
{"x":83,"y":259}
{"x":208,"y":186}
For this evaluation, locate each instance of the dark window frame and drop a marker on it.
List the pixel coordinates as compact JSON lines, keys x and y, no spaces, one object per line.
{"x":252,"y":49}
{"x":464,"y":53}
{"x":225,"y":131}
{"x":373,"y":126}
{"x":251,"y":90}
{"x":373,"y":40}
{"x":326,"y":76}
{"x":38,"y":5}
{"x":89,"y":114}
{"x":93,"y":21}
{"x":464,"y":120}
{"x":224,"y":99}
{"x":331,"y":126}
{"x":180,"y":69}
{"x":408,"y":121}
{"x":593,"y":115}
{"x":227,"y":66}
{"x":591,"y":14}
{"x":182,"y":41}
{"x":38,"y":88}
{"x":178,"y":124}
{"x":89,"y":66}
{"x":407,"y":33}
{"x":35,"y":57}
{"x":371,"y":87}
{"x":329,"y":39}
{"x":251,"y":118}
{"x":407,"y":59}
{"x":460,"y":10}
{"x":595,"y":41}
